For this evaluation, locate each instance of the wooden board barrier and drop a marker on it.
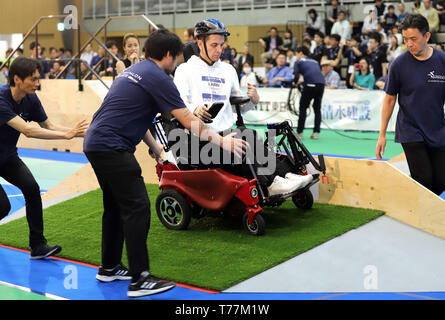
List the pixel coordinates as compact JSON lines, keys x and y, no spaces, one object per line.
{"x":84,"y":179}
{"x":65,"y":105}
{"x":379,"y":185}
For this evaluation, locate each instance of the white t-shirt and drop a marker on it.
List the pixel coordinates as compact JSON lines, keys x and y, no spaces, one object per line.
{"x":199,"y":83}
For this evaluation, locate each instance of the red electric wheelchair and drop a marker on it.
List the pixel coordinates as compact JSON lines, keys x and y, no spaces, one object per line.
{"x":189,"y":191}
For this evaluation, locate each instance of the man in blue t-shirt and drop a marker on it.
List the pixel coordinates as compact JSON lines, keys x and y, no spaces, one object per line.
{"x":123,"y":120}
{"x":313,"y":88}
{"x":280,"y":75}
{"x":19,"y":105}
{"x":417,"y":77}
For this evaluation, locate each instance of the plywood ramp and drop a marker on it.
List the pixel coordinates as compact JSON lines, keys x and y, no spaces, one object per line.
{"x":84,"y":179}
{"x":65,"y":105}
{"x":378,"y":185}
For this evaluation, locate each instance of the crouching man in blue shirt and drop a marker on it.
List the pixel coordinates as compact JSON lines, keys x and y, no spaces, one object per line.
{"x":123,"y":121}
{"x":19,"y":105}
{"x":417,"y":78}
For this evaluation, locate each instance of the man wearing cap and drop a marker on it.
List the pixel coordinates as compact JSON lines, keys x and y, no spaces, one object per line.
{"x":331,"y":77}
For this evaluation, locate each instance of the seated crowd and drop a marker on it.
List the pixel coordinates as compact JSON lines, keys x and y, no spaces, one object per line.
{"x":356,"y":57}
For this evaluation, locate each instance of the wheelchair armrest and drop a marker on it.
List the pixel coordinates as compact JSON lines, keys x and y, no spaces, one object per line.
{"x":239,"y":100}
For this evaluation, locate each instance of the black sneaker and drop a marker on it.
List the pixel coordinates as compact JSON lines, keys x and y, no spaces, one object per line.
{"x":119,"y":272}
{"x":147,"y":285}
{"x":44,"y":251}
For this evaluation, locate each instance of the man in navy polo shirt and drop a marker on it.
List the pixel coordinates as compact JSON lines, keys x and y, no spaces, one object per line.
{"x":123,"y":120}
{"x":19,"y":105}
{"x":417,"y":78}
{"x":313,"y":88}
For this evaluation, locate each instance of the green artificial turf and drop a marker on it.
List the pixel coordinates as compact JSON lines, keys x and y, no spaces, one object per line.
{"x":214,"y":253}
{"x":346,"y":143}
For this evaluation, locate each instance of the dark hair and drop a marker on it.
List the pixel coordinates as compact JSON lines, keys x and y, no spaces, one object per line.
{"x":191,"y":32}
{"x":357,"y":38}
{"x":307,"y":41}
{"x":320,"y":34}
{"x":376,"y":36}
{"x":336,"y":37}
{"x":416,"y":21}
{"x":368,"y":62}
{"x":160,"y":42}
{"x":314,"y":12}
{"x":304,"y":50}
{"x":33,"y":45}
{"x":110,"y":43}
{"x":23,"y":67}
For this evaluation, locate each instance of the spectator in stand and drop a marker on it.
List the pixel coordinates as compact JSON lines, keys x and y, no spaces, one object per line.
{"x":320,"y":46}
{"x":53,"y":55}
{"x":381,"y":31}
{"x":370,"y":23}
{"x":98,"y":57}
{"x":432,"y":16}
{"x":290,"y":58}
{"x":226,"y":55}
{"x":394,"y":50}
{"x":380,"y":9}
{"x":389,"y":19}
{"x":55,"y":70}
{"x":402,"y":13}
{"x":19,"y":53}
{"x":248,"y":75}
{"x":342,"y":27}
{"x":190,"y":46}
{"x":245,"y":57}
{"x":272,"y":61}
{"x":377,"y":55}
{"x":269,"y":43}
{"x":289,"y":41}
{"x":418,"y":5}
{"x":308,"y":44}
{"x":36,"y":51}
{"x":332,"y":15}
{"x":353,"y":52}
{"x":69,"y":72}
{"x":439,"y":5}
{"x":131,"y":52}
{"x":397,"y":34}
{"x":314,"y":22}
{"x":110,"y":63}
{"x":279,"y":76}
{"x":307,"y":37}
{"x":236,"y":57}
{"x":8,"y":64}
{"x":331,"y":77}
{"x":362,"y":78}
{"x":189,"y":35}
{"x":335,"y":52}
{"x":88,"y":54}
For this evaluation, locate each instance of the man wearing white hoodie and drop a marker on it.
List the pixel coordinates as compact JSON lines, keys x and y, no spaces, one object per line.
{"x":204,"y":80}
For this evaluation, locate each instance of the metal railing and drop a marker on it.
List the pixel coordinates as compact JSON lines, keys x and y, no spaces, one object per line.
{"x":93,"y":9}
{"x":103,"y":27}
{"x":80,"y":26}
{"x":34,"y":28}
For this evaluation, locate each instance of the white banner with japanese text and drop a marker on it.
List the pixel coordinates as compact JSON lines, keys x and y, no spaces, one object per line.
{"x":344,"y":109}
